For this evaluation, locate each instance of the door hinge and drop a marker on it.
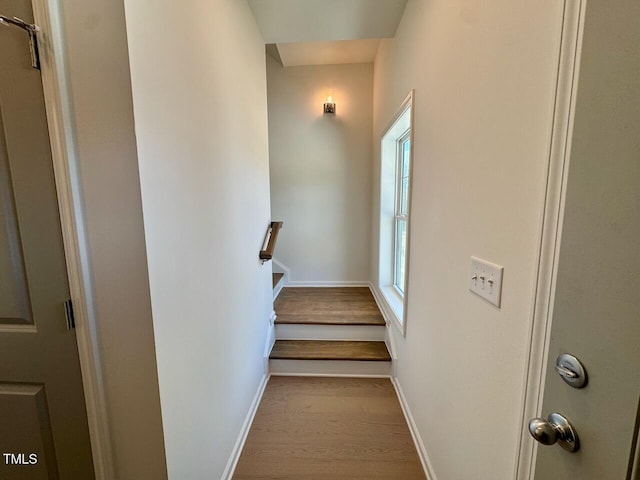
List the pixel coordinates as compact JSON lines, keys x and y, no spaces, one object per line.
{"x":68,"y":313}
{"x":32,"y":30}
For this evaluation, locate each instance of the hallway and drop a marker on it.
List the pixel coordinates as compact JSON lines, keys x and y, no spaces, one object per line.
{"x":179,"y":134}
{"x":329,"y":428}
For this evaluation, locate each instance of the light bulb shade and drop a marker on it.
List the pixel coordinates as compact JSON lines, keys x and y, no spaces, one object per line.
{"x":329,"y":107}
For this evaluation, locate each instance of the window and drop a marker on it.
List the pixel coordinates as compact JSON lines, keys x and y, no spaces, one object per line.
{"x":401,"y":211}
{"x":395,"y":193}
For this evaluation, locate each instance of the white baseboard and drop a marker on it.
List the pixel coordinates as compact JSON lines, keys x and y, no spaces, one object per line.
{"x":413,"y":428}
{"x":244,"y":431}
{"x":321,"y":283}
{"x":339,"y":375}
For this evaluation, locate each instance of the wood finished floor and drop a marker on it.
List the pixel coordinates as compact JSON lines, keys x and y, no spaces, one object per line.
{"x":327,"y":306}
{"x":316,"y":428}
{"x":330,"y":350}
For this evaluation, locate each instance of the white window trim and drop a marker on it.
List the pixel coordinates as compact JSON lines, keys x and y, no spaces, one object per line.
{"x":394,"y":302}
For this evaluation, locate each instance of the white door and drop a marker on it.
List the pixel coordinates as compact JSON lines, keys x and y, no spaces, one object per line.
{"x":596,"y":313}
{"x":43,"y":422}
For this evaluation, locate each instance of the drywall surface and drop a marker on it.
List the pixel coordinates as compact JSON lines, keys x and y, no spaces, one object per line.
{"x":282,"y":21}
{"x":320,"y":168}
{"x":484,"y":76}
{"x":200,"y":103}
{"x":98,"y":71}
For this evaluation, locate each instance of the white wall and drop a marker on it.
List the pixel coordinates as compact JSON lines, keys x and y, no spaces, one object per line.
{"x":200,"y":102}
{"x":484,"y":75}
{"x":320,"y":168}
{"x":98,"y":70}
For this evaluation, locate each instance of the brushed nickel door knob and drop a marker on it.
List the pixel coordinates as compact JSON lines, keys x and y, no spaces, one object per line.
{"x":543,"y":431}
{"x":556,"y":429}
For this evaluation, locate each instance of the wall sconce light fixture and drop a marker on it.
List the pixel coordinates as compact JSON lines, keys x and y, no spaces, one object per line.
{"x":329,"y":107}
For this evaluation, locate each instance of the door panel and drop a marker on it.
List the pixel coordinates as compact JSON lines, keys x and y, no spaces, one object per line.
{"x":42,"y":408}
{"x":15,"y":304}
{"x":596,"y":313}
{"x":25,"y":421}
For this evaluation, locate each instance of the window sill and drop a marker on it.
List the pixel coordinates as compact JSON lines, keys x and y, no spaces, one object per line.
{"x":395,"y":304}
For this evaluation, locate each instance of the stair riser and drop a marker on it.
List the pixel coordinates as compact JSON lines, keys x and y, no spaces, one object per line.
{"x":329,"y":332}
{"x":329,"y":368}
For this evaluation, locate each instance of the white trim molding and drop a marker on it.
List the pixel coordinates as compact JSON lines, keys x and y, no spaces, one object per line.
{"x":382,"y":306}
{"x":279,"y":286}
{"x":415,"y":434}
{"x":63,"y":150}
{"x":558,"y":164}
{"x":244,"y":430}
{"x":321,"y":283}
{"x":277,"y":265}
{"x":401,"y":122}
{"x":388,"y":338}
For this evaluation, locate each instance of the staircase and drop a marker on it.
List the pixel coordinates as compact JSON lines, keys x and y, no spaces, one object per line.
{"x":328,"y":331}
{"x":277,"y":277}
{"x":278,"y":283}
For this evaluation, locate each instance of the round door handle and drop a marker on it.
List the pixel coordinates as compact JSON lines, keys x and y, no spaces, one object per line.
{"x":555,"y":429}
{"x":543,"y":431}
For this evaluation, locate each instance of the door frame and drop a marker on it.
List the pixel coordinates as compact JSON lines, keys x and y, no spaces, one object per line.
{"x":65,"y":165}
{"x":551,"y":231}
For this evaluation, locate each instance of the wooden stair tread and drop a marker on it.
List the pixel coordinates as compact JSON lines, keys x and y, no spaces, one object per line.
{"x":330,"y":350}
{"x":328,"y":306}
{"x":276,"y":276}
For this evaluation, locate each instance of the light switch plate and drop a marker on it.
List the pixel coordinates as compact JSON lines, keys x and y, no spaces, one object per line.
{"x":485,"y":280}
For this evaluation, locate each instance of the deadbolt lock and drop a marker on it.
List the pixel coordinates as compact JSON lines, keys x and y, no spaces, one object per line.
{"x":571,"y":370}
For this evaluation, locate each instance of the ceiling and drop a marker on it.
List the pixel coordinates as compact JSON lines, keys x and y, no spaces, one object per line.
{"x":328,"y":53}
{"x":320,"y":32}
